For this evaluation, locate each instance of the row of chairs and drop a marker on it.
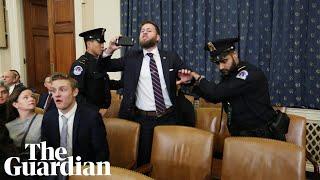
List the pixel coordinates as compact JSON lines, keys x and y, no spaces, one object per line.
{"x":208,"y":119}
{"x":117,"y":173}
{"x":176,"y":157}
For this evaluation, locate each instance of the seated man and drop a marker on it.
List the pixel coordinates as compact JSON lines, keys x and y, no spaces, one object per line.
{"x":74,"y":126}
{"x":11,"y":78}
{"x":45,"y":99}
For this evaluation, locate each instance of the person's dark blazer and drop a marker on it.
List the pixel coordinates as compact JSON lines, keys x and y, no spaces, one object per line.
{"x":42,"y":101}
{"x":16,"y":87}
{"x":88,"y":137}
{"x":132,"y":63}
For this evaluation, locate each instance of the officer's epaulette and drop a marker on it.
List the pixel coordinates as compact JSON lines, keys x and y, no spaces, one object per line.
{"x":82,"y":61}
{"x":241,"y":68}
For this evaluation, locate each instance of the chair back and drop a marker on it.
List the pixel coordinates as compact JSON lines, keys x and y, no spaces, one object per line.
{"x":297,"y":130}
{"x":280,"y":108}
{"x":209,"y":119}
{"x":117,"y":173}
{"x":113,"y":110}
{"x":205,"y":103}
{"x":123,"y":140}
{"x":180,"y":152}
{"x":263,"y":159}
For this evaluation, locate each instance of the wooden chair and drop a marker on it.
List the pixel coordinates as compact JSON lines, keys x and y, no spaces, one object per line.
{"x":281,"y":108}
{"x":297,"y":135}
{"x":123,"y":140}
{"x":262,"y":159}
{"x":210,"y":119}
{"x":180,"y":152}
{"x":117,"y":173}
{"x":204,"y":103}
{"x":113,"y":110}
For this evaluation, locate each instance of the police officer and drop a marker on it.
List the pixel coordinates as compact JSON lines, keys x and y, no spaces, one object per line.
{"x":243,"y":91}
{"x":90,"y":72}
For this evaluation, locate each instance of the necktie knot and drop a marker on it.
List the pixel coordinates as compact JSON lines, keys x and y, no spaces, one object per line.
{"x":64,"y":119}
{"x":150,"y":55}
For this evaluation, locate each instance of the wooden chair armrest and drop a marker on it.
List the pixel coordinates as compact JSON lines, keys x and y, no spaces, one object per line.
{"x":144,"y":169}
{"x":316,"y":166}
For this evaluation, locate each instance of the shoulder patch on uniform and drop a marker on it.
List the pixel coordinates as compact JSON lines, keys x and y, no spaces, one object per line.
{"x":242,"y":75}
{"x":77,"y":70}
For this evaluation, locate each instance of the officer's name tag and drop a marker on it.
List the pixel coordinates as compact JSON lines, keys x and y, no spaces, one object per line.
{"x":77,"y":70}
{"x":242,"y":75}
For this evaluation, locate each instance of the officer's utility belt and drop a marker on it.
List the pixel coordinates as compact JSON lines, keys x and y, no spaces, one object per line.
{"x":278,"y":126}
{"x":275,"y":129}
{"x":258,"y":132}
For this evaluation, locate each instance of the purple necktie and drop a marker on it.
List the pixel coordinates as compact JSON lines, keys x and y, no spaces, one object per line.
{"x":157,"y":91}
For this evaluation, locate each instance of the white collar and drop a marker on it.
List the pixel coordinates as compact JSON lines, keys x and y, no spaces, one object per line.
{"x":70,"y":113}
{"x":154,"y":51}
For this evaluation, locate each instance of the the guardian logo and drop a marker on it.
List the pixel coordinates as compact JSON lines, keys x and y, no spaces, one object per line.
{"x":52,"y":160}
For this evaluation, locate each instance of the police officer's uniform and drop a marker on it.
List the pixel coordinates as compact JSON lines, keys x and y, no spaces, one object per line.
{"x":244,"y":93}
{"x":90,"y":73}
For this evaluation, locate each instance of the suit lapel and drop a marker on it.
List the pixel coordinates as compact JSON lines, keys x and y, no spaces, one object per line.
{"x":165,"y":68}
{"x":55,"y":129}
{"x":138,"y":65}
{"x":76,"y":123}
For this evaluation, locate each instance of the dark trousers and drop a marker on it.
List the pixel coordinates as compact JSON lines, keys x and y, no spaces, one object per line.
{"x":147,"y":124}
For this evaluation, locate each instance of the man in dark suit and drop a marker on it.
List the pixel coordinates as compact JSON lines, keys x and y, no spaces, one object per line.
{"x":45,"y":100}
{"x":149,"y":86}
{"x":74,"y":126}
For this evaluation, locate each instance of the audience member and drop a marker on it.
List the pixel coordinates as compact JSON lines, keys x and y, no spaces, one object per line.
{"x":45,"y":100}
{"x":24,"y":125}
{"x":7,"y":150}
{"x":4,"y":95}
{"x":11,"y":78}
{"x":76,"y":127}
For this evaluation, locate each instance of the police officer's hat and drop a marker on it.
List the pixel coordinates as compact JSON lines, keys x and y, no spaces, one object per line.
{"x":94,"y":34}
{"x":220,"y":48}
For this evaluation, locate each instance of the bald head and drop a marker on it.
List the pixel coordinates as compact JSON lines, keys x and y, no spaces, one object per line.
{"x":10,"y":78}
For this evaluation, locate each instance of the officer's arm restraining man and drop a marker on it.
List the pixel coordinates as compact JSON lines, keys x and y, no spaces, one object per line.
{"x":243,"y":92}
{"x":90,"y":72}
